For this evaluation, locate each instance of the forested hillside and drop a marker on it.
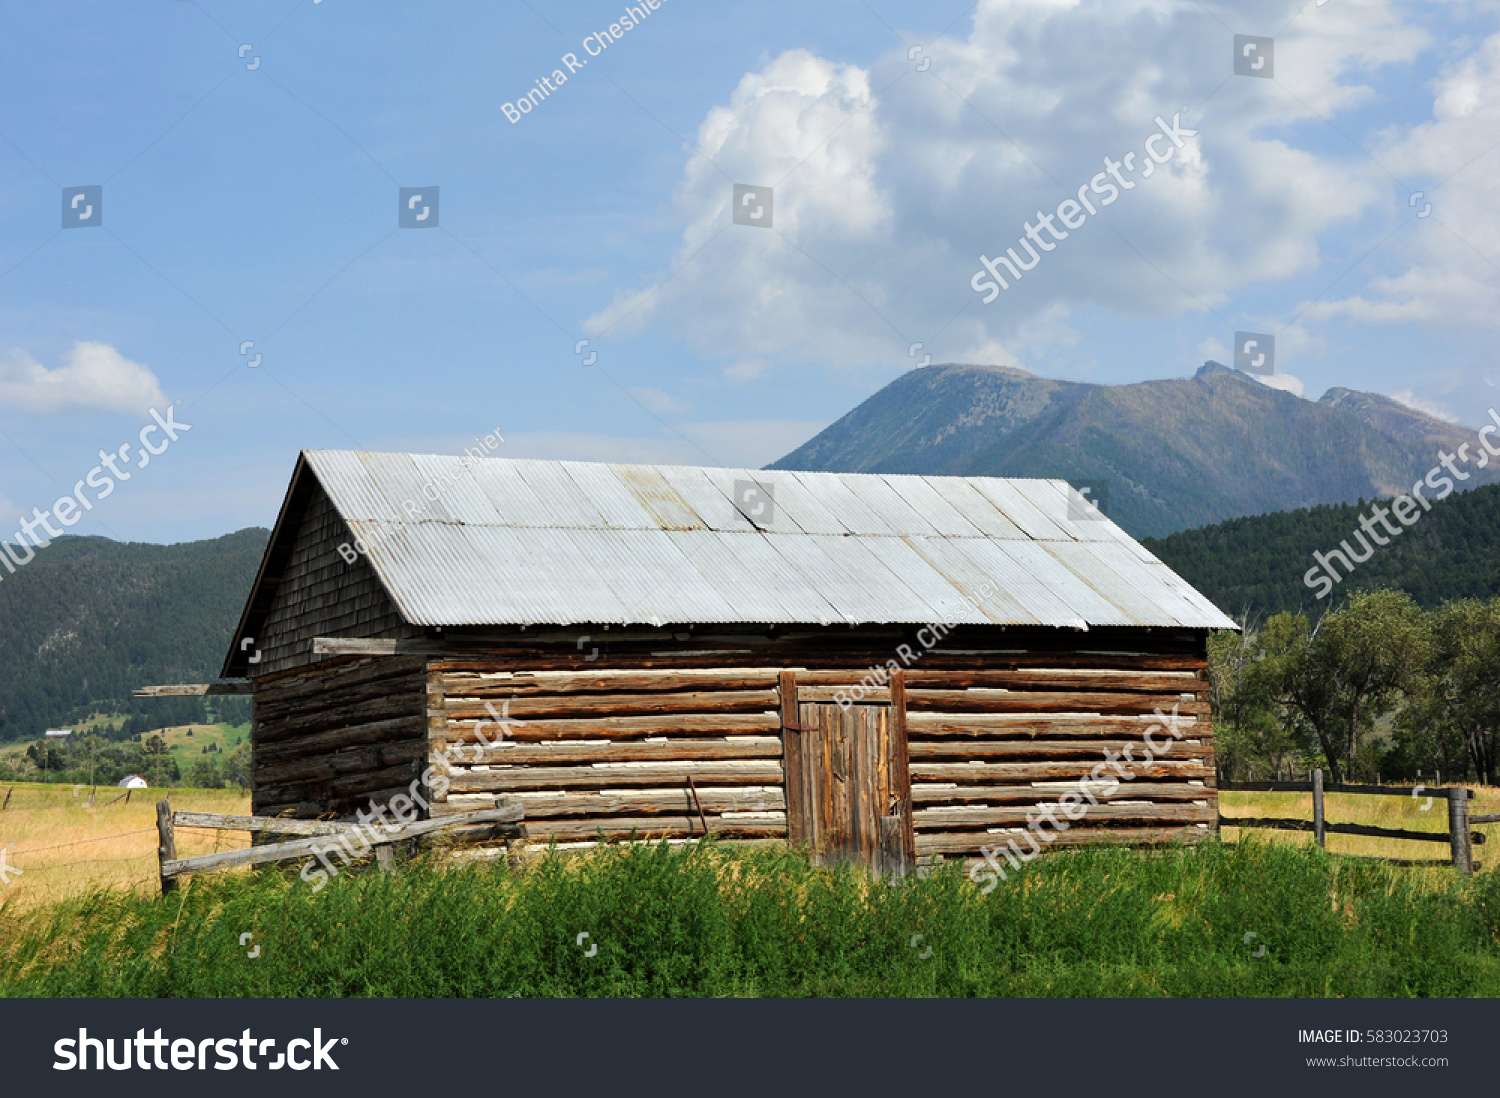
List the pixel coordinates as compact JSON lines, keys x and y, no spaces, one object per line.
{"x":90,"y":619}
{"x":1258,"y":563}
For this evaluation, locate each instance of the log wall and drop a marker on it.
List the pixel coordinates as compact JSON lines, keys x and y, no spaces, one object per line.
{"x":333,"y":738}
{"x":996,"y":722}
{"x":658,"y":754}
{"x":989,"y":746}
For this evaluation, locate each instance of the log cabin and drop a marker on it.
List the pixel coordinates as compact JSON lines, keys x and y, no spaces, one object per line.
{"x":888,"y":669}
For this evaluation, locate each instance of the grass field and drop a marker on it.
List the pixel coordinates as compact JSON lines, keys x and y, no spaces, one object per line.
{"x":1255,"y":919}
{"x":65,"y":848}
{"x":1397,"y":812}
{"x":85,"y":918}
{"x":187,"y":748}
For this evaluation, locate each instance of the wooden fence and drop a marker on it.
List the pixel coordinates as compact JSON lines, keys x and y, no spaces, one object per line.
{"x":1461,"y":841}
{"x":500,"y":822}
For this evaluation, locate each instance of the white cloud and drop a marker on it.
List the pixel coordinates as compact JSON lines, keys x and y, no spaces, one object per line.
{"x":1285,"y":382}
{"x":1449,"y":257}
{"x":1410,"y":399}
{"x":889,"y":183}
{"x":658,"y":401}
{"x":95,"y":376}
{"x":1213,"y":350}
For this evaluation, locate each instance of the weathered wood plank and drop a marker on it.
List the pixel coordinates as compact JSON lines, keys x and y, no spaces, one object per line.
{"x":1007,"y":773}
{"x":841,"y":695}
{"x":920,"y":677}
{"x":622,"y":802}
{"x":347,"y":785}
{"x":361,"y":646}
{"x":1030,"y":794}
{"x":1044,"y":752}
{"x":406,"y":702}
{"x":300,"y":848}
{"x":514,"y":754}
{"x":1059,"y":701}
{"x":195,"y":689}
{"x":587,"y":706}
{"x":948,"y":819}
{"x":220,"y":822}
{"x":505,"y":684}
{"x":320,"y":743}
{"x":608,"y":777}
{"x":310,"y":682}
{"x":326,"y":767}
{"x":1076,"y":749}
{"x":794,"y":761}
{"x":647,"y":827}
{"x":924,"y":725}
{"x":667,"y":724}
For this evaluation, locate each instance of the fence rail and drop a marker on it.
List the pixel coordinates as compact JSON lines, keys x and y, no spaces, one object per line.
{"x":1461,"y":841}
{"x":503,"y":821}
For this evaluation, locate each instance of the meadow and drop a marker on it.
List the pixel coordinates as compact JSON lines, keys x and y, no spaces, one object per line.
{"x":1260,"y":917}
{"x":66,"y":848}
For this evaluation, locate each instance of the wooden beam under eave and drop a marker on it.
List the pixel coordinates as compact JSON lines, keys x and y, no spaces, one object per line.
{"x":195,"y":689}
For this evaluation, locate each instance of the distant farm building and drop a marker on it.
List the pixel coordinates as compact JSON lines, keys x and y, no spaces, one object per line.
{"x":857,"y":662}
{"x":133,"y":781}
{"x":57,"y":733}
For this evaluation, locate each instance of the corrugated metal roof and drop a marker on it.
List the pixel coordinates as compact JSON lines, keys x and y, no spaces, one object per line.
{"x":503,"y":542}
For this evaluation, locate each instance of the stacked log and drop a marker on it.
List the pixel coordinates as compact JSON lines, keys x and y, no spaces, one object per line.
{"x":655,"y":754}
{"x":988,"y":747}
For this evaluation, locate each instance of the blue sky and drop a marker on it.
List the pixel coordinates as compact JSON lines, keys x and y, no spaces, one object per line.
{"x":903,"y":140}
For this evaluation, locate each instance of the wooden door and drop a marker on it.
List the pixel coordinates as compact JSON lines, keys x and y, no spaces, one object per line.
{"x":848,"y":793}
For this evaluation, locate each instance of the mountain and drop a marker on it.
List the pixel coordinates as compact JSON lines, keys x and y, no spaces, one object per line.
{"x":1175,"y":453}
{"x":1258,"y":563}
{"x":90,"y":619}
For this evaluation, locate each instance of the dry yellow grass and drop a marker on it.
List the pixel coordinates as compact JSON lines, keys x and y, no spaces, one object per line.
{"x":63,"y":847}
{"x":1379,"y":811}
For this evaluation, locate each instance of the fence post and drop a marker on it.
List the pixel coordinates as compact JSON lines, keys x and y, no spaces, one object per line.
{"x":166,"y":847}
{"x":385,"y":857}
{"x":1318,"y":837}
{"x":8,"y":792}
{"x":1458,"y":829}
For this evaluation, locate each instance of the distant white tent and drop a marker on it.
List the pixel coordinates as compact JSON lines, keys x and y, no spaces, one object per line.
{"x":134,"y":781}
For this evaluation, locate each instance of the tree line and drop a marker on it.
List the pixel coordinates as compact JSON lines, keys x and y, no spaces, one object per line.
{"x":1379,"y":689}
{"x":91,"y":759}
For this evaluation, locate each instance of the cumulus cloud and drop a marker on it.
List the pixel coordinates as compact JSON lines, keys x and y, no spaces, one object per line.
{"x":1449,"y":237}
{"x":94,"y":376}
{"x":889,"y":183}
